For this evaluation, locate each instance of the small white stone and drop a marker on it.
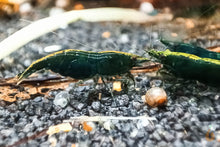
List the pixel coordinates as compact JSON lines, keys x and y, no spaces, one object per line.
{"x":62,"y":3}
{"x":146,"y":7}
{"x":124,"y":38}
{"x":27,"y":62}
{"x":134,"y":133}
{"x":25,"y":8}
{"x":52,"y":48}
{"x":107,"y":125}
{"x":143,"y":123}
{"x":61,"y":99}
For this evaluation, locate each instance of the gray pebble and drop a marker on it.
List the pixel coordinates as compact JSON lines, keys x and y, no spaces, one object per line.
{"x":193,"y":109}
{"x":37,"y":122}
{"x":107,"y":101}
{"x":162,"y":144}
{"x":178,"y":127}
{"x":119,"y":142}
{"x":156,"y":136}
{"x":38,"y":99}
{"x":188,"y":143}
{"x":179,"y":112}
{"x":141,"y":134}
{"x":217,"y":109}
{"x":178,"y":143}
{"x":23,"y":104}
{"x":29,"y":109}
{"x":137,"y":105}
{"x":156,"y":83}
{"x":122,"y":100}
{"x":168,"y":136}
{"x":78,"y":106}
{"x":28,"y":128}
{"x":96,"y":106}
{"x":180,"y":135}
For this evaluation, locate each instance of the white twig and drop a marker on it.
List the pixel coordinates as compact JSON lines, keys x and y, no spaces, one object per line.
{"x":43,"y":26}
{"x":106,"y":118}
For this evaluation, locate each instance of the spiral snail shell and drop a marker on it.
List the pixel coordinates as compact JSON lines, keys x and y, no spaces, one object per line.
{"x":156,"y":97}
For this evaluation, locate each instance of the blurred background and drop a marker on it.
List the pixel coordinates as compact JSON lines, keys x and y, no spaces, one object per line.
{"x":196,"y":17}
{"x":178,"y":7}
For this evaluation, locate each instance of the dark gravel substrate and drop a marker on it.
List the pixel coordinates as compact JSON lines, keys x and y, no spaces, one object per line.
{"x":192,"y":110}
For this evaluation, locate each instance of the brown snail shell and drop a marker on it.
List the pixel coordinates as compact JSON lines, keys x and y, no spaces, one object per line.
{"x":156,"y":97}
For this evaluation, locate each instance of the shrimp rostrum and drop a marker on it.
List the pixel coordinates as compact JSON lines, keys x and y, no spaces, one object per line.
{"x":83,"y":65}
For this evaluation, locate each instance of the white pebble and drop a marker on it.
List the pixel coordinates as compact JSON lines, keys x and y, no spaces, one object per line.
{"x":107,"y":125}
{"x":61,"y":99}
{"x":52,"y":48}
{"x":62,"y":3}
{"x":124,"y":38}
{"x":25,"y":8}
{"x":134,"y":133}
{"x":146,"y":7}
{"x":143,"y":123}
{"x":27,"y":62}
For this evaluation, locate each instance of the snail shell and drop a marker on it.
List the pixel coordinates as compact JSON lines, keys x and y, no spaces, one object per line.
{"x":156,"y":97}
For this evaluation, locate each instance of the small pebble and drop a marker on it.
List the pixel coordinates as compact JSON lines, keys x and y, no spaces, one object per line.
{"x":27,"y":62}
{"x":124,"y":38}
{"x":52,"y":48}
{"x":29,"y":109}
{"x":25,"y":8}
{"x":78,"y":106}
{"x":107,"y":101}
{"x":178,"y":127}
{"x":146,"y":7}
{"x":156,"y":136}
{"x":122,"y":100}
{"x":137,"y":105}
{"x":156,"y":83}
{"x":38,"y":99}
{"x":168,"y":137}
{"x":178,"y":143}
{"x":193,"y":109}
{"x":61,"y":99}
{"x":162,"y":144}
{"x":108,"y":125}
{"x":28,"y":128}
{"x":96,"y":106}
{"x":62,"y":3}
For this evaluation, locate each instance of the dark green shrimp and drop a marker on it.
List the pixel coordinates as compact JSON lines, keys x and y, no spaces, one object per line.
{"x":190,"y":66}
{"x":85,"y":64}
{"x":190,"y":49}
